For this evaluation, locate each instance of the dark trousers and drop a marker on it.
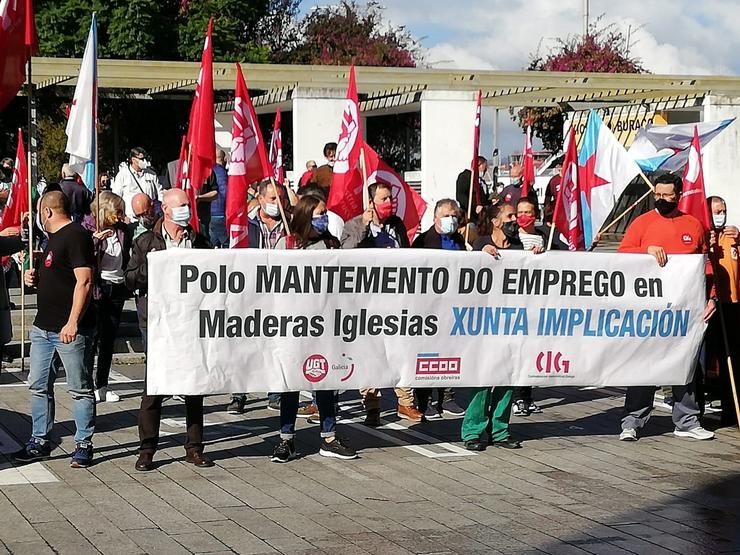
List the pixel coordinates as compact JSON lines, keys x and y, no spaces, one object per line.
{"x":716,"y":349}
{"x":109,"y":308}
{"x":325,"y":402}
{"x":425,"y":394}
{"x":150,"y":414}
{"x":523,"y":394}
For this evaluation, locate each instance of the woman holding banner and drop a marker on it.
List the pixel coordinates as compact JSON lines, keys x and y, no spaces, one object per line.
{"x":310,"y":231}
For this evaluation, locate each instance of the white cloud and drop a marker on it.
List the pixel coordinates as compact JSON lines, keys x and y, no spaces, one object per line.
{"x":669,"y":36}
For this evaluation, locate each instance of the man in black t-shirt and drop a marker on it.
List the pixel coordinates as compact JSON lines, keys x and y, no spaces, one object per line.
{"x":64,"y":324}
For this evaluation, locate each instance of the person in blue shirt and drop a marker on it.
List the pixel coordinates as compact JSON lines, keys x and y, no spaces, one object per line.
{"x":217,"y":227}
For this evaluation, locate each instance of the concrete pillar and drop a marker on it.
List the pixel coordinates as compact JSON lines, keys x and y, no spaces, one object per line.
{"x":317,"y":115}
{"x":447,"y":120}
{"x":720,"y":157}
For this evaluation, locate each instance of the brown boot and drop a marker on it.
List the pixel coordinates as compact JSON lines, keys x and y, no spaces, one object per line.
{"x":372,"y":418}
{"x":144,"y":463}
{"x":409,"y":413}
{"x":197,"y":459}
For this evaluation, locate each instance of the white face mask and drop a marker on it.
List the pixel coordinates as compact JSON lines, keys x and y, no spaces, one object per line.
{"x":40,"y":225}
{"x":142,"y":164}
{"x":272,"y":210}
{"x":181,"y":215}
{"x":719,"y":220}
{"x":448,"y":224}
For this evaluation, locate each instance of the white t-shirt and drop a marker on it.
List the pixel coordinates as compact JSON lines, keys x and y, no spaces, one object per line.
{"x":530,"y":241}
{"x":111,"y":263}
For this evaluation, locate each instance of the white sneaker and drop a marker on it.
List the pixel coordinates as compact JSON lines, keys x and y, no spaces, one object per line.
{"x":628,"y":434}
{"x":695,"y":433}
{"x":112,"y":397}
{"x":101,"y":394}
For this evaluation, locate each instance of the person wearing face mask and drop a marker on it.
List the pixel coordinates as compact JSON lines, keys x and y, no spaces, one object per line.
{"x":136,"y":176}
{"x":172,"y":231}
{"x":112,"y":247}
{"x":443,"y":235}
{"x":6,"y":180}
{"x":309,"y":229}
{"x":723,"y":253}
{"x":324,"y":174}
{"x":660,"y":232}
{"x":378,"y":227}
{"x":265,"y":228}
{"x":143,"y":209}
{"x":64,"y":327}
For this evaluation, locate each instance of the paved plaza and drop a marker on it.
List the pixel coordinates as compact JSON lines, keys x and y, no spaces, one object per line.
{"x":573,"y":488}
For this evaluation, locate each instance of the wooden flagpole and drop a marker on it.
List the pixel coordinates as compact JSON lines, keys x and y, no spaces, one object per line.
{"x":470,"y":206}
{"x":631,"y":206}
{"x":364,"y":179}
{"x":280,"y":205}
{"x":730,"y":369}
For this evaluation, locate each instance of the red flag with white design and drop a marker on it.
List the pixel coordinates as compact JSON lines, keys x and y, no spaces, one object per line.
{"x":17,"y":203}
{"x":694,"y":198}
{"x":528,"y":167}
{"x":276,"y":150}
{"x":567,"y":215}
{"x":407,"y":203}
{"x":248,"y":163}
{"x":18,"y":41}
{"x":476,"y":153}
{"x":346,"y":194}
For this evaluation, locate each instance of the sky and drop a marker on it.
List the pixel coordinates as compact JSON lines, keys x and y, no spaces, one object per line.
{"x":667,"y":36}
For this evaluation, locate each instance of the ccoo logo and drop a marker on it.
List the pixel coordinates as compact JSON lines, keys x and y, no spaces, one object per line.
{"x":548,"y":363}
{"x":315,"y":368}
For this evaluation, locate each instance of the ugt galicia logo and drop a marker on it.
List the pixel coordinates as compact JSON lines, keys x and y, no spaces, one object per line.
{"x":316,"y":368}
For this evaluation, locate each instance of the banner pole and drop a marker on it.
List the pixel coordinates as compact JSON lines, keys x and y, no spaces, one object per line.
{"x":631,"y":206}
{"x":470,"y":206}
{"x":729,"y":361}
{"x":364,"y":178}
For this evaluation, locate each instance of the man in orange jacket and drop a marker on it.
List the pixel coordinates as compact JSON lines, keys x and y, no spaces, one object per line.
{"x":661,"y":232}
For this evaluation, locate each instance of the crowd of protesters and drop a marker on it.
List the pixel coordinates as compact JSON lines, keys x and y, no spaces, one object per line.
{"x":92,"y":257}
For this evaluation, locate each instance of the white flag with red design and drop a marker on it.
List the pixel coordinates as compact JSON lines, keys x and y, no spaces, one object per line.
{"x":407,"y":203}
{"x":276,"y":149}
{"x":248,"y":163}
{"x":346,"y":194}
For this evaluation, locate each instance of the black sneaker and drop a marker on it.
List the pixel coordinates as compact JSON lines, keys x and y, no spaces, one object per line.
{"x":451,"y":408}
{"x":520,"y":408}
{"x":506,"y":443}
{"x":284,"y":452}
{"x":273,"y":404}
{"x":337,"y":450}
{"x":236,"y":406}
{"x":83,"y":456}
{"x":32,"y":452}
{"x":432,"y":413}
{"x":532,"y":408}
{"x":475,"y":445}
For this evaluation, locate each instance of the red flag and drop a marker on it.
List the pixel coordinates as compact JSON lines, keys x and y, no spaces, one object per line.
{"x":17,"y":203}
{"x":474,"y":163}
{"x":182,"y":181}
{"x":567,"y":215}
{"x":346,"y":194}
{"x":17,"y":43}
{"x":276,"y":149}
{"x":694,"y":199}
{"x":407,"y":203}
{"x":528,"y":166}
{"x":248,"y":163}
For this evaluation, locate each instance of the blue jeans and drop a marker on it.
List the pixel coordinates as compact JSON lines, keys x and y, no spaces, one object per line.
{"x":217,"y":231}
{"x":76,"y":358}
{"x":325,"y":401}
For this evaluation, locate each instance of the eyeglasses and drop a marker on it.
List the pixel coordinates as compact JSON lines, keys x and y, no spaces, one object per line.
{"x":665,"y":196}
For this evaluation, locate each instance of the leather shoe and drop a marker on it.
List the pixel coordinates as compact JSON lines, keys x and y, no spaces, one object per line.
{"x":372,"y":418}
{"x":410,"y":413}
{"x":507,"y":443}
{"x":198,"y":460}
{"x":475,"y":445}
{"x":144,"y":463}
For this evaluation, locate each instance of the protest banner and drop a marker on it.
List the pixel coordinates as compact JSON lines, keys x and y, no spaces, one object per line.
{"x":262,"y":320}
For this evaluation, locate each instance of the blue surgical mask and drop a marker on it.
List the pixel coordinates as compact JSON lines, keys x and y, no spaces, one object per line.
{"x":448,"y":225}
{"x":320,"y":223}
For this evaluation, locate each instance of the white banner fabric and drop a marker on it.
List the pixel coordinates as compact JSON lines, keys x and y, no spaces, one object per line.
{"x":243,"y":320}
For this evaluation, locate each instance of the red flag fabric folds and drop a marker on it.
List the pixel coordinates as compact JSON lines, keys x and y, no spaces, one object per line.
{"x":567,"y":216}
{"x":694,"y":198}
{"x":17,"y":203}
{"x":18,"y":41}
{"x":276,"y":149}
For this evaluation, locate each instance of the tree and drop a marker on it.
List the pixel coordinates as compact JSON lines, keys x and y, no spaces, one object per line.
{"x":602,"y":51}
{"x":348,"y":34}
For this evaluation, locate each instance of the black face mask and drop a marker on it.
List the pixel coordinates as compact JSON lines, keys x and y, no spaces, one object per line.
{"x":665,"y":207}
{"x":510,"y":229}
{"x":148,"y":220}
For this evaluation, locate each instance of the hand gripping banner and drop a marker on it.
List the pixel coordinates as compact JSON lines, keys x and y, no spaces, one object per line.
{"x":258,"y":320}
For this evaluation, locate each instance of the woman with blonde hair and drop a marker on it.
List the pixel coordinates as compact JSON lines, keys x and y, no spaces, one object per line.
{"x":112,"y":248}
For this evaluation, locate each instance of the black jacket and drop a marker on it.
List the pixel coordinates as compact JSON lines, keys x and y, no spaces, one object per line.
{"x":135,"y":276}
{"x":462,"y":192}
{"x":430,"y":239}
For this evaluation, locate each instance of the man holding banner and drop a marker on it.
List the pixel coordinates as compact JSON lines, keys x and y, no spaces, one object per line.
{"x":661,"y":232}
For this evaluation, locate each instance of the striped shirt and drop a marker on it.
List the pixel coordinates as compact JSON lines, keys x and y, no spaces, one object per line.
{"x":530,"y":241}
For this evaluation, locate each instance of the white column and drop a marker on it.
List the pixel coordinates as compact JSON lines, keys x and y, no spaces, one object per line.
{"x":317,"y":116}
{"x":447,"y":120}
{"x":721,"y":156}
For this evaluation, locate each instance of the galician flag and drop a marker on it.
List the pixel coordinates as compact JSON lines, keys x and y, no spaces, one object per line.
{"x":83,"y":114}
{"x":604,"y":171}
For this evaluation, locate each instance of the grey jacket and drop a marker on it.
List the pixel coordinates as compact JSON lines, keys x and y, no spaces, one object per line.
{"x":357,"y":234}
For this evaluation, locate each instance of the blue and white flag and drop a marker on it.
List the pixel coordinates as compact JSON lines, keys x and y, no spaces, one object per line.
{"x":81,"y":132}
{"x":667,"y":146}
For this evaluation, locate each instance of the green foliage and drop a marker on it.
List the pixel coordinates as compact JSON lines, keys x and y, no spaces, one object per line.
{"x":52,"y":142}
{"x":603,"y":50}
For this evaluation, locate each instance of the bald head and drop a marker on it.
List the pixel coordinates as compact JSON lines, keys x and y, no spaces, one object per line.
{"x":174,"y":197}
{"x":141,"y":203}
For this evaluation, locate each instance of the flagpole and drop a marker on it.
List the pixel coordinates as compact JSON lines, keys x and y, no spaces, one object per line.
{"x":29,"y":174}
{"x":631,"y":206}
{"x":558,"y":202}
{"x":470,"y":206}
{"x":364,"y":178}
{"x":280,"y":205}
